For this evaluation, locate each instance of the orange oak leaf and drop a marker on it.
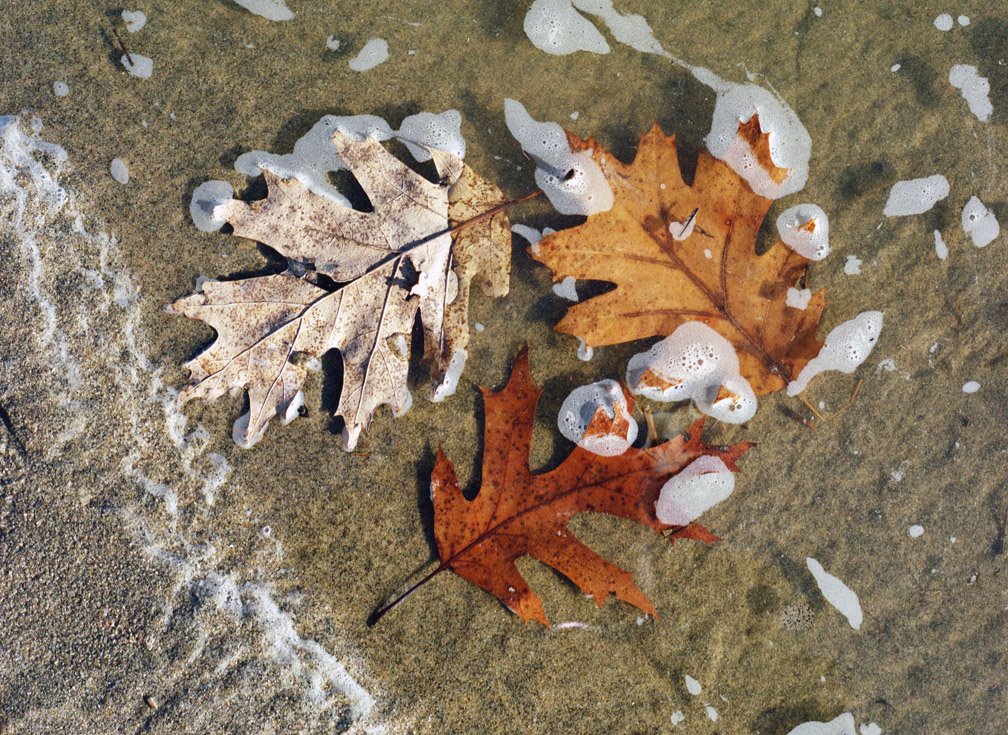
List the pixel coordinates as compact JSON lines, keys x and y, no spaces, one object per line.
{"x":680,"y":253}
{"x":518,"y":513}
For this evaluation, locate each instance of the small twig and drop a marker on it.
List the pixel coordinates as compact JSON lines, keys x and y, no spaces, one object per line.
{"x":811,"y":408}
{"x":850,"y":400}
{"x":797,"y":417}
{"x":122,"y":46}
{"x":652,"y":431}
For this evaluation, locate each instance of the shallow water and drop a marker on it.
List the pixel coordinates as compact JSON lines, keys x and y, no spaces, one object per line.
{"x":148,"y":556}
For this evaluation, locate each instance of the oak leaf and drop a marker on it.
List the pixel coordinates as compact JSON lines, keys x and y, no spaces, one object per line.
{"x":679,"y":253}
{"x":417,"y":251}
{"x":518,"y":513}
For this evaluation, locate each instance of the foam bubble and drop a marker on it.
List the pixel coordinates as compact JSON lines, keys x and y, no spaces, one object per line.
{"x":846,"y":347}
{"x":838,"y":594}
{"x":205,"y":199}
{"x":975,"y":90}
{"x":579,"y":409}
{"x":573,"y":182}
{"x":566,"y":289}
{"x":970,"y":386}
{"x":424,"y":130}
{"x":138,"y":65}
{"x":135,"y":20}
{"x":268,"y":9}
{"x":842,"y":725}
{"x":979,"y":223}
{"x":941,"y":249}
{"x":853,"y":266}
{"x":694,"y":362}
{"x":119,"y":170}
{"x":702,"y":484}
{"x":798,"y":298}
{"x":375,"y":52}
{"x":915,"y":196}
{"x":556,"y":27}
{"x":943,"y":22}
{"x":805,"y":229}
{"x":790,"y":144}
{"x":60,"y":89}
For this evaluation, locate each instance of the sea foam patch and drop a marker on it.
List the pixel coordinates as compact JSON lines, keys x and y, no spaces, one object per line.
{"x":167,"y":480}
{"x":573,"y":182}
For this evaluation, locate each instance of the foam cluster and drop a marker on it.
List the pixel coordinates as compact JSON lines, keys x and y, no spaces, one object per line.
{"x":579,"y":409}
{"x":556,"y":27}
{"x":975,"y":90}
{"x":915,"y":196}
{"x":846,"y":347}
{"x":426,"y":130}
{"x":268,"y":9}
{"x":805,"y":229}
{"x":790,"y":144}
{"x":314,"y":156}
{"x":697,"y":363}
{"x":979,"y":223}
{"x":573,"y":182}
{"x":698,"y":487}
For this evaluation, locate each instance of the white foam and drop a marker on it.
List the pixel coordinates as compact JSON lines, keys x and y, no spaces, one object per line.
{"x":964,"y":20}
{"x":450,"y":381}
{"x":60,"y":89}
{"x":837,"y":594}
{"x":915,"y":531}
{"x":375,"y":52}
{"x":135,"y":20}
{"x":694,"y":363}
{"x":119,"y":170}
{"x":895,"y":68}
{"x":790,"y":144}
{"x":805,"y":229}
{"x":853,"y":266}
{"x":842,"y":725}
{"x":424,"y":130}
{"x":941,"y":249}
{"x":979,"y":223}
{"x":712,"y":714}
{"x":975,"y":90}
{"x":702,"y":484}
{"x":566,"y":289}
{"x":846,"y":347}
{"x":573,"y":182}
{"x":162,"y":459}
{"x":871,"y":728}
{"x":692,"y":685}
{"x":677,"y":717}
{"x":943,"y":22}
{"x":314,"y":156}
{"x":138,"y":65}
{"x":915,"y":196}
{"x":205,"y":199}
{"x":798,"y":298}
{"x":584,"y":352}
{"x":579,"y":409}
{"x":557,"y":27}
{"x":818,"y":11}
{"x":970,"y":386}
{"x":268,"y":9}
{"x":332,"y":43}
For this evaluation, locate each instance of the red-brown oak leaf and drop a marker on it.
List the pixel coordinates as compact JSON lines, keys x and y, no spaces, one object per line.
{"x":518,"y":513}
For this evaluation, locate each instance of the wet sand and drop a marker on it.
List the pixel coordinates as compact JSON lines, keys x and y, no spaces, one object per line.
{"x":107,"y":597}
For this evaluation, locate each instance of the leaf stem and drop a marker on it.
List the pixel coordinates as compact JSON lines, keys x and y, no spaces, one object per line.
{"x":378,"y":614}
